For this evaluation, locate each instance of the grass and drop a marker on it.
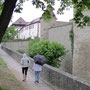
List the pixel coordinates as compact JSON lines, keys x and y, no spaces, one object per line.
{"x":2,"y":63}
{"x":20,"y":51}
{"x":12,"y":78}
{"x":7,"y":79}
{"x":4,"y":87}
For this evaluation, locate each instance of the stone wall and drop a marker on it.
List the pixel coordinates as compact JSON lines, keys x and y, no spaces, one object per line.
{"x":47,"y":25}
{"x":23,"y":45}
{"x":81,"y":57}
{"x":61,"y":34}
{"x":59,"y":80}
{"x":59,"y":31}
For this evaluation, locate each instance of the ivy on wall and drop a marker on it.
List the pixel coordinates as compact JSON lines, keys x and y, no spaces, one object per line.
{"x":71,"y":36}
{"x":89,"y":23}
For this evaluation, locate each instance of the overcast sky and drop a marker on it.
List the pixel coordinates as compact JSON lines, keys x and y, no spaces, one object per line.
{"x":30,"y":12}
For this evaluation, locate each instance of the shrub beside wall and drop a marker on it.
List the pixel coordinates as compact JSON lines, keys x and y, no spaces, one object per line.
{"x":51,"y":50}
{"x":20,"y":51}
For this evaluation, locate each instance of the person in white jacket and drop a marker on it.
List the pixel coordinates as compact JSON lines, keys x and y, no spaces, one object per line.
{"x":37,"y":69}
{"x":25,"y":62}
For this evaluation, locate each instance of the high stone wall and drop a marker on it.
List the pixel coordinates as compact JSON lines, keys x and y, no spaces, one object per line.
{"x":61,"y":35}
{"x":23,"y":45}
{"x":81,"y":57}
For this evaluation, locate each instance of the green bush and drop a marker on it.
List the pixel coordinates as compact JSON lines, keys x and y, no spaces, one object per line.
{"x":20,"y":51}
{"x":52,"y":51}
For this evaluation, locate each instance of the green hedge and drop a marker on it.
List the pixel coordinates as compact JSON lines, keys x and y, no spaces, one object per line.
{"x":21,"y":51}
{"x":52,"y":51}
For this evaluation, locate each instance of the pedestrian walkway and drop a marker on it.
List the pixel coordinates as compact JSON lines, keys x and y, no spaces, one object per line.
{"x":15,"y":68}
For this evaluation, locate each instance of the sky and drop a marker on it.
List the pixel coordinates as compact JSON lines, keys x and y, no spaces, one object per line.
{"x":30,"y":13}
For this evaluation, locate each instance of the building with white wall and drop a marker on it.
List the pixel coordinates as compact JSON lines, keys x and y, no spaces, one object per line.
{"x":31,"y":30}
{"x":19,"y":24}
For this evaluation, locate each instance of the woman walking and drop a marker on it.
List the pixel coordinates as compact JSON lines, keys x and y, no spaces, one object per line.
{"x":25,"y":64}
{"x":37,"y":69}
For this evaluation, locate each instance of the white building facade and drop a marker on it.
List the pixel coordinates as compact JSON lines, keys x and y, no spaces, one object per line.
{"x":31,"y":30}
{"x":18,"y":25}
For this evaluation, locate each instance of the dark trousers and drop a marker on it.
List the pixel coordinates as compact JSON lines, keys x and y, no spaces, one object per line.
{"x":24,"y":70}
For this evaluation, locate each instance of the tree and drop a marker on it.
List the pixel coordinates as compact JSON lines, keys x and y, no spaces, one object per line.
{"x":10,"y":34}
{"x":8,"y":6}
{"x":6,"y":10}
{"x":79,"y":5}
{"x":6,"y":13}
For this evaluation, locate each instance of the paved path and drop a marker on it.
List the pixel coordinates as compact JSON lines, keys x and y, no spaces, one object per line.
{"x":15,"y":68}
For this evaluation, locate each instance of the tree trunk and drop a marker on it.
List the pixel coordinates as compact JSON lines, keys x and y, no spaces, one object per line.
{"x":6,"y":15}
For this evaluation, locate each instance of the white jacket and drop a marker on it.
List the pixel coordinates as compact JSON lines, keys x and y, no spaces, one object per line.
{"x":37,"y":67}
{"x":25,"y":62}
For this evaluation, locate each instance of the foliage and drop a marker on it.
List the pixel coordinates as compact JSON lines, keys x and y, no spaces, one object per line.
{"x":15,"y":40}
{"x":72,"y":39}
{"x":89,"y":23}
{"x":8,"y":81}
{"x":28,"y":38}
{"x":2,"y":63}
{"x":48,"y":6}
{"x":18,"y":8}
{"x":52,"y":51}
{"x":33,"y":41}
{"x":4,"y":87}
{"x":20,"y":51}
{"x":79,"y":5}
{"x":46,"y":15}
{"x":10,"y":34}
{"x":80,"y":18}
{"x":1,"y":6}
